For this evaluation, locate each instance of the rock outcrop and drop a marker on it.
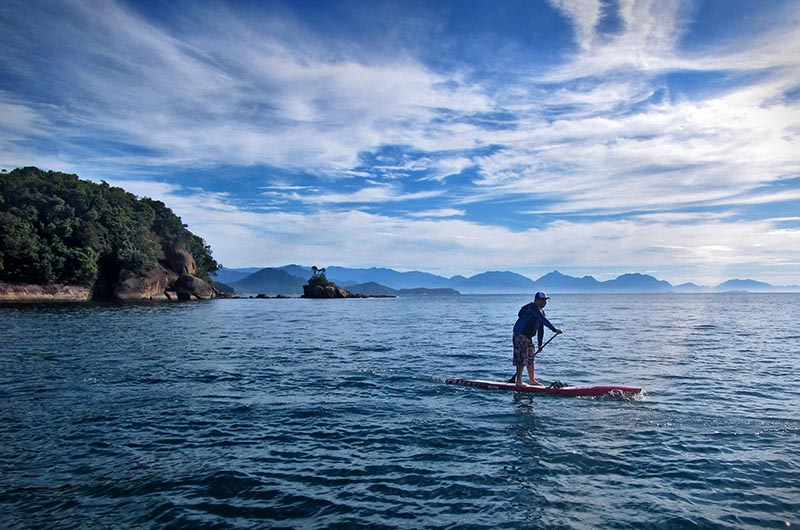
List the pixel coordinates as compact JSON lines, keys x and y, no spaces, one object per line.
{"x":326,"y":291}
{"x":133,"y":287}
{"x":190,"y":287}
{"x":179,"y":260}
{"x":163,"y":284}
{"x":173,"y":279}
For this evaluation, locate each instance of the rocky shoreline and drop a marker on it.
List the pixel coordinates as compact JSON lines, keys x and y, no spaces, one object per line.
{"x":10,"y":292}
{"x":134,"y":288}
{"x":172,"y":279}
{"x":188,"y":289}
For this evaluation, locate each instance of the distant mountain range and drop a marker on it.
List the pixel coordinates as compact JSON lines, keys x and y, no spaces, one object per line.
{"x":269,"y":281}
{"x":373,"y":288}
{"x":289,"y":280}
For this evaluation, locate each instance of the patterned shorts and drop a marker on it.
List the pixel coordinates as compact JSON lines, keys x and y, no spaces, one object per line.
{"x":524,"y":351}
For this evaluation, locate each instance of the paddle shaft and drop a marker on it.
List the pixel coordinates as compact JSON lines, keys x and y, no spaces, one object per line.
{"x":514,"y":377}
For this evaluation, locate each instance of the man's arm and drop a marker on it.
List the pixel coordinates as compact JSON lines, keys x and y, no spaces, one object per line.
{"x":543,"y":321}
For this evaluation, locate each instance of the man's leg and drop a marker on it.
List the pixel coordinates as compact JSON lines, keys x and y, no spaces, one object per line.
{"x":518,"y":376}
{"x":531,"y":377}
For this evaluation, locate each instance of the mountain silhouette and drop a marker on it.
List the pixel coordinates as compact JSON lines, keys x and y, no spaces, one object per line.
{"x":289,"y":280}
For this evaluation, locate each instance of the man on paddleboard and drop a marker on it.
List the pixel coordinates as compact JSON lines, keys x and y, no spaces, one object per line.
{"x":531,"y":320}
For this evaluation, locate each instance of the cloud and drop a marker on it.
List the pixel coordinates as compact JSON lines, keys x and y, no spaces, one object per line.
{"x":708,"y":250}
{"x":685,"y":217}
{"x":17,"y":116}
{"x":649,"y":31}
{"x":375,"y":194}
{"x":763,"y":198}
{"x":610,"y":147}
{"x":715,"y":151}
{"x":264,"y":90}
{"x":585,"y":14}
{"x":440,"y":213}
{"x":235,"y":93}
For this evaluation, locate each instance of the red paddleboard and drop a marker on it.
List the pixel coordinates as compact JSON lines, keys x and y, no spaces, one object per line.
{"x":566,"y":391}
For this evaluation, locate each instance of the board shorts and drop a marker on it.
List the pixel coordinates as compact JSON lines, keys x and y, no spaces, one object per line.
{"x":524,"y":351}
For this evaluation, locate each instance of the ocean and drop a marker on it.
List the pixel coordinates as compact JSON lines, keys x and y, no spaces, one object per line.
{"x":249,"y":414}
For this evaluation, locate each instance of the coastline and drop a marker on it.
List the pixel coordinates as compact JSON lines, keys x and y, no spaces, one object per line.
{"x":13,"y":292}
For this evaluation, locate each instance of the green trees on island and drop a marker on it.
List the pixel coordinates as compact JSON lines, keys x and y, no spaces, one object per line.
{"x":56,"y":228}
{"x":319,"y":286}
{"x":318,"y":278}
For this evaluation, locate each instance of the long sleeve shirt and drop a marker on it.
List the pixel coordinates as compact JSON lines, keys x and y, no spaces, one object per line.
{"x":531,"y":319}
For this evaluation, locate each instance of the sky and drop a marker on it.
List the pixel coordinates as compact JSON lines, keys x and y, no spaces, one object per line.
{"x":452,"y":137}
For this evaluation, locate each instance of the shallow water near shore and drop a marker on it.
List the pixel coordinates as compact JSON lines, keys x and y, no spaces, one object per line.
{"x":334,"y":414}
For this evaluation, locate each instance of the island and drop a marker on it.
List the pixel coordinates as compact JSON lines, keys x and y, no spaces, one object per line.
{"x":67,"y":239}
{"x":320,"y":287}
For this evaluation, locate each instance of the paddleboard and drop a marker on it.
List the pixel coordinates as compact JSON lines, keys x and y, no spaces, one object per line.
{"x":566,"y":391}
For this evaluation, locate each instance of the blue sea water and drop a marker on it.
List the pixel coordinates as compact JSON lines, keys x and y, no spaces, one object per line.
{"x":248,"y":414}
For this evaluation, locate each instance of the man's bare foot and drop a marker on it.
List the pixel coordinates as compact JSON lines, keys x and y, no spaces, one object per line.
{"x":535,"y":383}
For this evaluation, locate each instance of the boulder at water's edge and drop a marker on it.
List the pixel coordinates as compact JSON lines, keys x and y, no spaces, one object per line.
{"x":190,"y":287}
{"x":132,"y":287}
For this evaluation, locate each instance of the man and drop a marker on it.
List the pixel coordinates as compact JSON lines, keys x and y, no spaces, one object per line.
{"x":531,"y":320}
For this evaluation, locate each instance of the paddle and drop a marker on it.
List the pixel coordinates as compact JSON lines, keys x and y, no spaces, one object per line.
{"x":514,"y":377}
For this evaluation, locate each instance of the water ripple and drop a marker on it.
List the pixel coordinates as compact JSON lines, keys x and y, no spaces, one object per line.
{"x":292,"y":414}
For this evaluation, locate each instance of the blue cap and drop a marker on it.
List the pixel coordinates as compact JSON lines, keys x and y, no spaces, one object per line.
{"x":540,"y":296}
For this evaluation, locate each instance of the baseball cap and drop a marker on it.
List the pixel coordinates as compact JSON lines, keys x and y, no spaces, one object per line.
{"x":540,"y":296}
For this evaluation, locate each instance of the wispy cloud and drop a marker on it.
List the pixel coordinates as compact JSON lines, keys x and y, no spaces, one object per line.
{"x":701,"y":247}
{"x":644,"y":40}
{"x":623,"y":152}
{"x":235,"y":93}
{"x":373,"y":194}
{"x":440,"y":213}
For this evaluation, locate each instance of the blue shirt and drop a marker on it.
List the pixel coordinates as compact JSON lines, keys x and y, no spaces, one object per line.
{"x":532,"y":320}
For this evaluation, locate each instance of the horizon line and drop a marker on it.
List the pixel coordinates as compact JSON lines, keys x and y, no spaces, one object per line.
{"x":792,"y":286}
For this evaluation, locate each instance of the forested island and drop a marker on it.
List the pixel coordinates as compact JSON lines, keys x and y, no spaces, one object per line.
{"x":63,"y":238}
